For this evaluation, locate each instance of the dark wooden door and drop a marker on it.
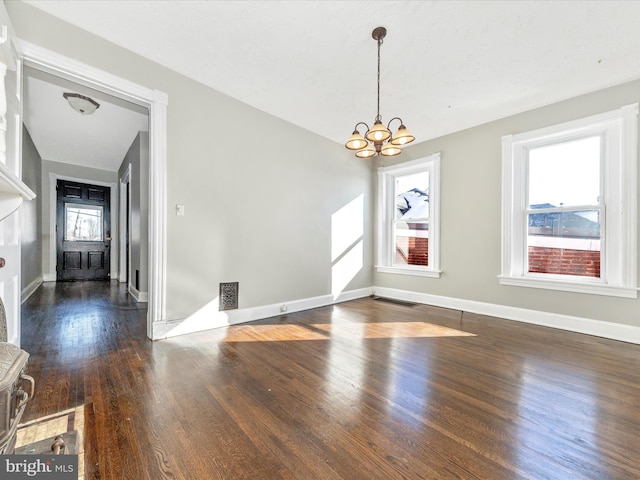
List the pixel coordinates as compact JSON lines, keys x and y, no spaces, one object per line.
{"x":83,"y":231}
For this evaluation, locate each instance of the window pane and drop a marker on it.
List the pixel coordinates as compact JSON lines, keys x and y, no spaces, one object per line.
{"x":411,"y":226}
{"x":412,"y":196}
{"x":411,"y":242}
{"x":565,"y":174}
{"x":83,"y":223}
{"x":565,"y":242}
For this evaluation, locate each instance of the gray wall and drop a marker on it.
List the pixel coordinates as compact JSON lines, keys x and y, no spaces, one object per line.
{"x":256,"y":212}
{"x":138,"y":157}
{"x":470,"y":215}
{"x":49,"y":169}
{"x":31,"y":212}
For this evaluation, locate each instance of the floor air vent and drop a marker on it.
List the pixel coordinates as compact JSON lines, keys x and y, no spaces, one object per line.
{"x":228,"y":296}
{"x":396,"y":302}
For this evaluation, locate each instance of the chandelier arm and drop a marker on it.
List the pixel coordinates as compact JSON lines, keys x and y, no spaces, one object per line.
{"x":394,"y":118}
{"x":360,"y":123}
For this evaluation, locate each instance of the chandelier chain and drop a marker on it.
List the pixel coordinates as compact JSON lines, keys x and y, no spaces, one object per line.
{"x":378,"y":113}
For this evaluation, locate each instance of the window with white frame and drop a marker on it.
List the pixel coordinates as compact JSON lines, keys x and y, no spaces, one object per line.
{"x":408,"y":217}
{"x":569,"y":206}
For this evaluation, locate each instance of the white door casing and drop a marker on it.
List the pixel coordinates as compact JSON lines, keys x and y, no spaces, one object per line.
{"x":124,"y":214}
{"x":12,"y":190}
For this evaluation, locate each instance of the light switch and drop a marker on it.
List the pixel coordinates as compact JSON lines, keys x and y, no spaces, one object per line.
{"x":180,"y":210}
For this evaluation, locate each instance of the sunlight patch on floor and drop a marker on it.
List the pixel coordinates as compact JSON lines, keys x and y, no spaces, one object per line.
{"x":49,"y":426}
{"x":288,"y":332}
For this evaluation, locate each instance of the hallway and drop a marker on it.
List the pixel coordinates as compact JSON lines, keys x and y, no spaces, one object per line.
{"x":72,"y":330}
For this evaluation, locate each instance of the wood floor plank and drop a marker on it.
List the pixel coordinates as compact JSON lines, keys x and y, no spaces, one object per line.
{"x":360,"y":390}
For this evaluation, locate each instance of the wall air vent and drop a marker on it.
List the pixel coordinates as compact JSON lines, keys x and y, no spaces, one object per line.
{"x":228,"y":296}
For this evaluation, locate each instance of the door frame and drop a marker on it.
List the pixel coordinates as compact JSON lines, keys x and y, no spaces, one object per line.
{"x":124,"y":216}
{"x":51,"y":275}
{"x":156,"y":102}
{"x":15,"y":190}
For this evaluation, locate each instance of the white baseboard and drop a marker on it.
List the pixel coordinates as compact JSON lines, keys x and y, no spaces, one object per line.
{"x":209,"y":317}
{"x":599,"y":328}
{"x":30,"y":289}
{"x":141,"y":297}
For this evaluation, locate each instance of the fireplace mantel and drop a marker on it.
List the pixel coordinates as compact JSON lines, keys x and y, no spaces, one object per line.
{"x":13,"y":192}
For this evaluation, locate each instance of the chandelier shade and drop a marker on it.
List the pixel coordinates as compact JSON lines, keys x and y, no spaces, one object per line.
{"x":378,"y":133}
{"x":373,"y":142}
{"x":366,"y":152}
{"x":390,"y":150}
{"x":356,"y":141}
{"x":402,"y":136}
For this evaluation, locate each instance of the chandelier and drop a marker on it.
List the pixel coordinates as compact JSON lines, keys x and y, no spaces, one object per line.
{"x":373,"y":142}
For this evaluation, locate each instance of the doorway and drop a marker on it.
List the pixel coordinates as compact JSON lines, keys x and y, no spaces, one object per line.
{"x":156,"y":103}
{"x":83,"y":231}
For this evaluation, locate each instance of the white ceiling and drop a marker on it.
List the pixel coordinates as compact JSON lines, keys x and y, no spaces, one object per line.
{"x":61,"y":134}
{"x":446,"y":65}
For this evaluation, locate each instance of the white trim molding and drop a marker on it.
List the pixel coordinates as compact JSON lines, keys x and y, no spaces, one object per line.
{"x":209,"y":317}
{"x":124,"y":215}
{"x":156,"y":311}
{"x":156,"y":101}
{"x":409,"y":270}
{"x":141,"y":297}
{"x":599,"y":328}
{"x":31,"y":288}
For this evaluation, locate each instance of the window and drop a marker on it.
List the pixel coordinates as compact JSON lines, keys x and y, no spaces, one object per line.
{"x":408,"y":217}
{"x":83,"y":223}
{"x":569,"y":206}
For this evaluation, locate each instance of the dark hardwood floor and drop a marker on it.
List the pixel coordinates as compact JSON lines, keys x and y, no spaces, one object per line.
{"x":361,"y":390}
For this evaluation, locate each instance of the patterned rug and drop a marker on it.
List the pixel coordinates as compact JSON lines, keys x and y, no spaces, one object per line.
{"x":52,"y":425}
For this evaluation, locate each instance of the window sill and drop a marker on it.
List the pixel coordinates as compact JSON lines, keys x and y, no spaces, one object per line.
{"x":417,"y":272}
{"x":570,"y":286}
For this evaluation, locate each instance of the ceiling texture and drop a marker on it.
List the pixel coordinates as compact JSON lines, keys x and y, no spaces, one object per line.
{"x":446,"y":65}
{"x":100,"y":140}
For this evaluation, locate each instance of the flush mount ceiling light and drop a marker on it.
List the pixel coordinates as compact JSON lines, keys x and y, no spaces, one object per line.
{"x":81,"y":104}
{"x":373,"y":142}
